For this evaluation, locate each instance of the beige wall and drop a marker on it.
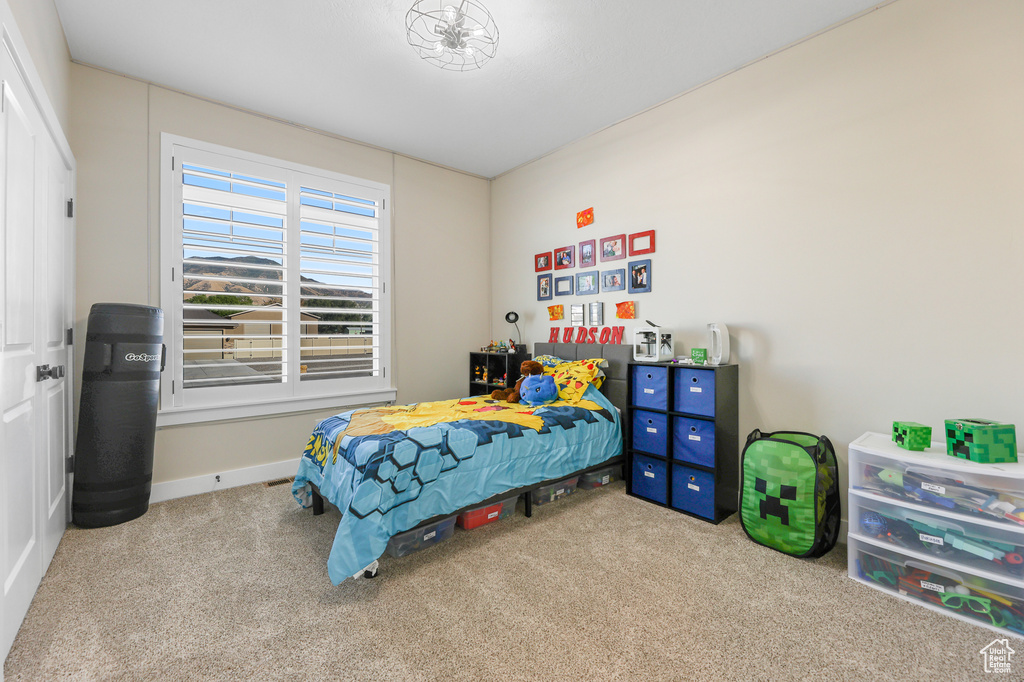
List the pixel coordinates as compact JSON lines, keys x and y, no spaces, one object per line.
{"x":850,"y":207}
{"x":40,"y":27}
{"x":440,"y":227}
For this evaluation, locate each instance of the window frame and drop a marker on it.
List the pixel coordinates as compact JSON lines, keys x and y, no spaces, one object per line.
{"x":181,"y":406}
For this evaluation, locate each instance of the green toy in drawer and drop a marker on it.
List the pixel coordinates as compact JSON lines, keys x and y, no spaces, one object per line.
{"x":981,"y":440}
{"x":911,"y":435}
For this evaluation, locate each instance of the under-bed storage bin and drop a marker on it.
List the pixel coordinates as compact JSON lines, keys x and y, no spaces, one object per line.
{"x":421,"y":538}
{"x":487,"y":513}
{"x":596,"y":479}
{"x":650,"y":387}
{"x":693,"y":440}
{"x":554,"y":491}
{"x":693,"y":490}
{"x":650,"y":478}
{"x":650,"y":432}
{"x":955,"y":592}
{"x":980,"y":544}
{"x":695,"y":391}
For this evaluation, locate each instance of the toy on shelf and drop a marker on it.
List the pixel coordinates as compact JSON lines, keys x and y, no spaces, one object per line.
{"x":981,"y":440}
{"x":911,"y":435}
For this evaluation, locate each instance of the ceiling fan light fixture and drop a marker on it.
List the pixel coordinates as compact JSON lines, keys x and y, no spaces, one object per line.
{"x":456,"y":37}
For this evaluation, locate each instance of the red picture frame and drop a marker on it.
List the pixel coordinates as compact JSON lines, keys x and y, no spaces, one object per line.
{"x":588,"y":256}
{"x":565,"y":257}
{"x":636,"y":251}
{"x":613,"y":248}
{"x":542,"y":262}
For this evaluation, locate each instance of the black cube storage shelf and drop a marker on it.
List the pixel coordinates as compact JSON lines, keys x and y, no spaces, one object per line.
{"x":498,"y":366}
{"x":682,"y":437}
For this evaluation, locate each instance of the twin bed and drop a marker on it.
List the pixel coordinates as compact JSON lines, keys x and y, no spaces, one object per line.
{"x":390,"y":469}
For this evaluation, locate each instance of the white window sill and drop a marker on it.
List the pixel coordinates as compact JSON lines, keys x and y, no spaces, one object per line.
{"x":207,"y":413}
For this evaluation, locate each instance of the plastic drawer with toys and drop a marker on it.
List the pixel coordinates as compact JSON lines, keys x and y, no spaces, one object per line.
{"x":931,"y":478}
{"x":992,"y":604}
{"x":487,"y":513}
{"x":554,"y":491}
{"x":985,"y":546}
{"x":420,"y":538}
{"x":601,"y":477}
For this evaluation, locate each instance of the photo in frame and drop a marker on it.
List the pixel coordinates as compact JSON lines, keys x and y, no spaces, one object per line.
{"x":640,"y":276}
{"x":587,"y":283}
{"x":613,"y":280}
{"x":613,"y":248}
{"x":577,"y":316}
{"x":542,"y":262}
{"x":564,"y":286}
{"x":544,"y":287}
{"x":587,"y":255}
{"x":565,"y":257}
{"x":641,"y":243}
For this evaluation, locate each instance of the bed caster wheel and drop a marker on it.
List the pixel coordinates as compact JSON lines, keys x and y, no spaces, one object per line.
{"x":370,"y":574}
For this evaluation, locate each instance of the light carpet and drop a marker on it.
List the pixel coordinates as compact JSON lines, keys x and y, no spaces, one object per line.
{"x":599,"y":586}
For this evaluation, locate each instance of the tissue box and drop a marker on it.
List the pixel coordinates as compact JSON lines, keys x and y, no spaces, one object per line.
{"x":981,"y":440}
{"x":911,"y":435}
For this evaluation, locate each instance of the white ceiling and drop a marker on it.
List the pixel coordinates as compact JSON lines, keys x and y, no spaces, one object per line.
{"x":564,"y":68}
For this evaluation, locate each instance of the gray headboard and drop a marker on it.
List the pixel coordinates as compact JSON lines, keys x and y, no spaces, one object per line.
{"x":618,"y":356}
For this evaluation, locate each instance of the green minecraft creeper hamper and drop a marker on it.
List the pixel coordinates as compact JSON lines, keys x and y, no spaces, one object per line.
{"x":790,"y":492}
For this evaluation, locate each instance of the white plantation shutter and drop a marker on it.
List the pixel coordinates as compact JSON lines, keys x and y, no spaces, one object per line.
{"x":274,"y":283}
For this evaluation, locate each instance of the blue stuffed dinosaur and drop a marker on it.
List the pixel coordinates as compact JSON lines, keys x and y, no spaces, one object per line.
{"x":538,"y":389}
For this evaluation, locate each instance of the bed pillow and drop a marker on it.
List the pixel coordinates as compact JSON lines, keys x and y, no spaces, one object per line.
{"x":573,"y":378}
{"x":549,"y":361}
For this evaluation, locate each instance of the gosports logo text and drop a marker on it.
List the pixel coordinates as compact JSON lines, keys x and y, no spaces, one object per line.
{"x":141,"y":357}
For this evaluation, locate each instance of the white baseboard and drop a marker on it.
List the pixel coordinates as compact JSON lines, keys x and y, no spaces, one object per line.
{"x":185,"y":487}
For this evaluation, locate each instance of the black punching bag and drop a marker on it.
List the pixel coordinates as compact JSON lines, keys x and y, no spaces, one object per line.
{"x":124,"y":356}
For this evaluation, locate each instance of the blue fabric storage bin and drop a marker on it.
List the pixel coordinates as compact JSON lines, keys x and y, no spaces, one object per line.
{"x":695,"y":391}
{"x":650,"y":387}
{"x":650,"y":432}
{"x":693,"y":440}
{"x":650,"y":478}
{"x":693,"y":491}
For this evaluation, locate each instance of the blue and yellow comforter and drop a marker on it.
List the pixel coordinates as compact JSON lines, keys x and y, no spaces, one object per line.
{"x":391,"y":468}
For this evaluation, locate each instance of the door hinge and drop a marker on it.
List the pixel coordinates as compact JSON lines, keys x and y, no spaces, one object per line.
{"x":172,"y":386}
{"x":385,"y":371}
{"x":69,"y":338}
{"x":172,"y":163}
{"x":172,"y":274}
{"x":71,"y":208}
{"x":70,"y":465}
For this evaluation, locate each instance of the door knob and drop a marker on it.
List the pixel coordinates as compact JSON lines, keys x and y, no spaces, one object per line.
{"x":44,"y":372}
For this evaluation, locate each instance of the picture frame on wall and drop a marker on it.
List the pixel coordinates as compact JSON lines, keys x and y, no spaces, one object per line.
{"x":587,"y":255}
{"x":564,"y":286}
{"x":613,"y":248}
{"x":596,"y":314}
{"x":565,"y":257}
{"x":544,"y":287}
{"x":613,"y":280}
{"x":577,"y":315}
{"x":587,"y":283}
{"x":641,"y":243}
{"x":640,"y":276}
{"x":542,"y":262}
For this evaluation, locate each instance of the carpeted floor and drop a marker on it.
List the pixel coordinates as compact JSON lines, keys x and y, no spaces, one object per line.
{"x":233,"y":585}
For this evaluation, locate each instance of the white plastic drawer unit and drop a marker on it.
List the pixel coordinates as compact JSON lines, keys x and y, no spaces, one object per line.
{"x":939,"y":531}
{"x":933,"y":479}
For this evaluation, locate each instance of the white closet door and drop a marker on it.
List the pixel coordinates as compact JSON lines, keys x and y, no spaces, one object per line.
{"x":36,"y":285}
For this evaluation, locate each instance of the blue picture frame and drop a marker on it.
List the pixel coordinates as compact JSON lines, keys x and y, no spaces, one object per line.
{"x":613,"y":280}
{"x":588,"y":283}
{"x":564,"y":286}
{"x":544,"y":287}
{"x":639,"y":273}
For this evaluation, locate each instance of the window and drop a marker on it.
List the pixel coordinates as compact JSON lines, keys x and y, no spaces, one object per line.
{"x":273,"y":284}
